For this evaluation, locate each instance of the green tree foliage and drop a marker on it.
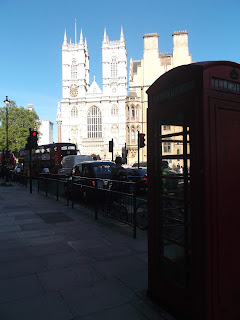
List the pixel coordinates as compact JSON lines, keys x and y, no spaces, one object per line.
{"x":19,"y":122}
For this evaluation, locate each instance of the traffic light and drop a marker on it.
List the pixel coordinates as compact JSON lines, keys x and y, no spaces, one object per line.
{"x":141,"y":140}
{"x":111,"y":145}
{"x":32,"y":140}
{"x":124,"y":154}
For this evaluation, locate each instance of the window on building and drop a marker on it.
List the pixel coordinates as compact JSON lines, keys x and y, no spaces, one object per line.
{"x":132,"y":112}
{"x":114,"y":110}
{"x":133,"y":134}
{"x":166,"y":147}
{"x":136,"y":112}
{"x":114,"y":67}
{"x":74,"y":112}
{"x":74,"y":69}
{"x":127,"y":112}
{"x":94,"y":123}
{"x":166,"y":128}
{"x":128,"y":134}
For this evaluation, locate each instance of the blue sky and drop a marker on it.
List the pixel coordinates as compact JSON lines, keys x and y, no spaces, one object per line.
{"x":32,"y":35}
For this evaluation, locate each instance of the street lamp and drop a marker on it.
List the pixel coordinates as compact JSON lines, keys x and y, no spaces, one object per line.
{"x":6,"y":103}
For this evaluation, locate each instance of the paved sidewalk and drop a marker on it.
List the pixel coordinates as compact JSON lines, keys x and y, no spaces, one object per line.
{"x":59,"y":263}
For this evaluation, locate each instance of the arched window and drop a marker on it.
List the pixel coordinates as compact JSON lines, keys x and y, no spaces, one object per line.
{"x":132,"y":134}
{"x":128,"y":134}
{"x":74,"y":112}
{"x":94,"y":123}
{"x":114,"y":67}
{"x":136,"y":111}
{"x":132,"y":112}
{"x":74,"y":69}
{"x":128,"y":115}
{"x":114,"y":110}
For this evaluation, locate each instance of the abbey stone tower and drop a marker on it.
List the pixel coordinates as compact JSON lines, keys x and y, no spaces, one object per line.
{"x":87,"y":115}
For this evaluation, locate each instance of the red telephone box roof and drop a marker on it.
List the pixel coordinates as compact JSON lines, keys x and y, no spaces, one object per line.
{"x":187,"y":70}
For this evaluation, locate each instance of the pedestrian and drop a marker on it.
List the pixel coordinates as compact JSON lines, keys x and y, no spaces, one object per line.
{"x":118,"y":174}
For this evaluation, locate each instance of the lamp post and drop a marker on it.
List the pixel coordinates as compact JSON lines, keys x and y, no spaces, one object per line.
{"x":6,"y":103}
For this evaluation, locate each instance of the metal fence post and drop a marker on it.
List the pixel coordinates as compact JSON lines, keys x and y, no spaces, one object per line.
{"x":134,"y":211}
{"x":72,"y":193}
{"x":38,"y":178}
{"x":96,"y":200}
{"x":46,"y":179}
{"x":57,"y":188}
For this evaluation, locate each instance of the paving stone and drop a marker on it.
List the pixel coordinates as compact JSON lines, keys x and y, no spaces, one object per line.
{"x":47,"y":240}
{"x":22,"y":267}
{"x":13,"y":254}
{"x":69,"y":228}
{"x":67,"y":278}
{"x":35,"y":226}
{"x":82,"y":234}
{"x":19,"y":287}
{"x":126,"y":312}
{"x":151,"y":310}
{"x":28,"y":221}
{"x":65,"y":259}
{"x":41,"y":307}
{"x":9,"y":244}
{"x":9,"y":228}
{"x":88,"y":243}
{"x":52,"y":248}
{"x":119,"y":266}
{"x":3,"y":215}
{"x":20,"y":213}
{"x":109,"y":252}
{"x":99,"y":296}
{"x":53,"y":217}
{"x":143,"y":257}
{"x":35,"y":233}
{"x":25,"y":216}
{"x":136,"y":281}
{"x":8,"y":235}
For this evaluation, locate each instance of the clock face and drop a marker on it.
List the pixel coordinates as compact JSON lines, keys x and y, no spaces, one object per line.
{"x":73,"y":90}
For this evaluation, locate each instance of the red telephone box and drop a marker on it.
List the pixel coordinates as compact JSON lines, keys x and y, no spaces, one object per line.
{"x":194,"y":190}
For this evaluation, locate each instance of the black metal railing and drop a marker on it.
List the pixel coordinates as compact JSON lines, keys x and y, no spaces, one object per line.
{"x":111,"y":198}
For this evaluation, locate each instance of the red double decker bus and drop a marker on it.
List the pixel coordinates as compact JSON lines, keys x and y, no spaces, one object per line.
{"x":7,"y":162}
{"x":48,"y":155}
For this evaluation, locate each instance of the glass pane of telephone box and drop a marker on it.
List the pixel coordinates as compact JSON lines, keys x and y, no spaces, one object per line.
{"x":175,"y":220}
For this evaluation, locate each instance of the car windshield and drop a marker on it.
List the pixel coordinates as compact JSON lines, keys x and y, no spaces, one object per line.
{"x":103,"y":171}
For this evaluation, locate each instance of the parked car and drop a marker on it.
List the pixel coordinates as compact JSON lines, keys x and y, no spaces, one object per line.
{"x":84,"y":177}
{"x":68,"y":162}
{"x":140,"y":177}
{"x":141,"y":165}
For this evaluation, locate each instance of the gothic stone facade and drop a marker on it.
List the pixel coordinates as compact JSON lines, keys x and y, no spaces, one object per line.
{"x":142,"y":74}
{"x":87,"y":115}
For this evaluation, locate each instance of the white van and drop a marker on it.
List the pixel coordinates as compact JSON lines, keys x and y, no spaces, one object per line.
{"x":68,"y":162}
